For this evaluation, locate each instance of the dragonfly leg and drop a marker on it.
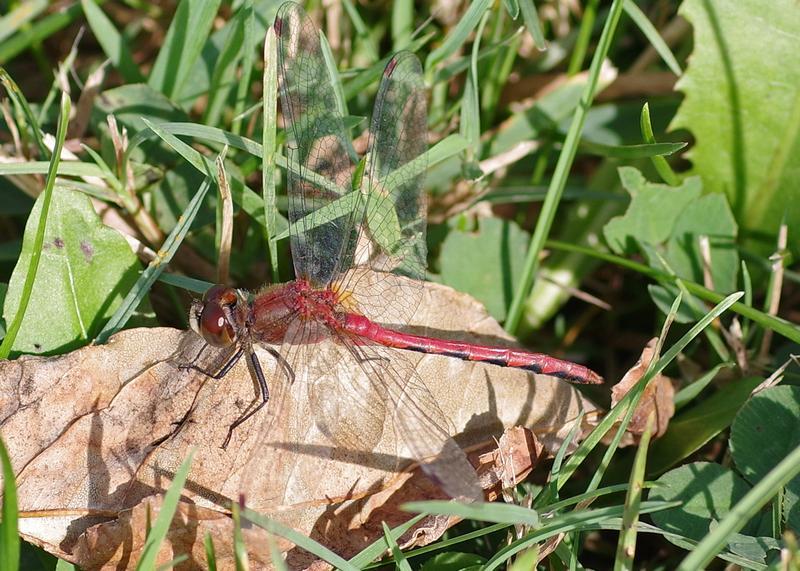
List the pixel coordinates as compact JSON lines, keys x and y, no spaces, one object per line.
{"x":255,"y":367}
{"x":222,"y":370}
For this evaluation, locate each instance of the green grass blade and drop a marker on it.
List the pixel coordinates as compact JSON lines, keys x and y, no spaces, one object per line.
{"x":211,"y":553}
{"x":481,"y":511}
{"x":584,"y":37}
{"x":378,"y":547}
{"x":36,"y":254}
{"x":662,"y":166}
{"x":9,"y":536}
{"x":649,"y":30}
{"x":39,"y":31}
{"x":566,"y":523}
{"x":23,"y":13}
{"x":651,"y":150}
{"x":561,"y":173}
{"x":155,"y":268}
{"x":242,"y":195}
{"x":65,"y":168}
{"x":362,"y":31}
{"x":248,"y":56}
{"x":459,"y":34}
{"x":223,"y":78}
{"x":16,"y":95}
{"x":780,"y":326}
{"x":625,"y":403}
{"x":299,"y":539}
{"x":397,"y":555}
{"x":185,"y":39}
{"x":114,"y":45}
{"x":742,"y":512}
{"x":158,"y":532}
{"x":270,"y":148}
{"x":531,"y":19}
{"x":402,"y":23}
{"x":626,"y":548}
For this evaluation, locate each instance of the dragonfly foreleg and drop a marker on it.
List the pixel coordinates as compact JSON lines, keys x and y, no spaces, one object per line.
{"x":222,"y":370}
{"x":258,"y":373}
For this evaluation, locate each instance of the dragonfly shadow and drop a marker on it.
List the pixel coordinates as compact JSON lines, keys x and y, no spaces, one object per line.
{"x":368,"y":459}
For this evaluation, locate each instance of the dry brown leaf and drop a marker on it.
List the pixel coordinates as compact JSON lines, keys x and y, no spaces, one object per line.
{"x":658,"y":397}
{"x":92,"y":437}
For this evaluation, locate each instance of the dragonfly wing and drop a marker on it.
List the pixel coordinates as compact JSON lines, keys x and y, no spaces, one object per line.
{"x":319,"y":153}
{"x":419,"y":422}
{"x":392,"y":234}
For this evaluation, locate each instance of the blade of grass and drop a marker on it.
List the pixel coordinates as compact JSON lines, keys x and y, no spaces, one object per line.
{"x":626,"y":547}
{"x":270,"y":148}
{"x":650,"y":150}
{"x":562,"y":168}
{"x":649,"y":30}
{"x":211,"y":553}
{"x":185,"y":282}
{"x":223,"y":78}
{"x":483,"y":511}
{"x":158,"y":532}
{"x":24,"y":12}
{"x":239,"y":548}
{"x":65,"y":168}
{"x":362,"y":31}
{"x":781,"y":326}
{"x":36,"y":254}
{"x":402,"y":23}
{"x":397,"y":555}
{"x":182,"y":46}
{"x":21,"y":104}
{"x":378,"y":547}
{"x":155,"y":268}
{"x":531,"y":18}
{"x":635,"y":393}
{"x":567,"y":523}
{"x":742,"y":512}
{"x":114,"y":45}
{"x":660,"y":163}
{"x":248,"y":56}
{"x":459,"y":34}
{"x":298,"y":539}
{"x":584,"y":37}
{"x":40,"y":30}
{"x":9,"y":535}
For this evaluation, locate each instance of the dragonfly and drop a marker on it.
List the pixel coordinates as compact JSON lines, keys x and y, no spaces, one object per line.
{"x":357,"y":238}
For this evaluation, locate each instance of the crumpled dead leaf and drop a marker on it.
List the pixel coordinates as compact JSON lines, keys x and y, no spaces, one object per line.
{"x":92,"y":437}
{"x":658,"y":398}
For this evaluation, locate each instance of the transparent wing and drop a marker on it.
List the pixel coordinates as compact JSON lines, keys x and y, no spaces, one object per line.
{"x":391,"y":237}
{"x":420,"y":424}
{"x":322,"y":224}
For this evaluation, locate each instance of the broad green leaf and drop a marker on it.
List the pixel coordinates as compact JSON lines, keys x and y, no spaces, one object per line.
{"x":707,"y":492}
{"x":699,"y":424}
{"x":764,"y":432}
{"x":653,"y":211}
{"x":743,"y":106}
{"x":85,"y":269}
{"x":709,"y":216}
{"x":186,"y":36}
{"x":485,"y":263}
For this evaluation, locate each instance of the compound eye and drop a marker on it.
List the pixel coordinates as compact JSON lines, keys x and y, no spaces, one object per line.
{"x":214,"y":322}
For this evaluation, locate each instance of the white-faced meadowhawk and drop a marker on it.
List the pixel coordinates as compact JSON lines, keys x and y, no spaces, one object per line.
{"x":357,"y":229}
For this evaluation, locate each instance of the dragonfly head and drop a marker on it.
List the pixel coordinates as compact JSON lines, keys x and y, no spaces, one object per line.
{"x":215,"y":317}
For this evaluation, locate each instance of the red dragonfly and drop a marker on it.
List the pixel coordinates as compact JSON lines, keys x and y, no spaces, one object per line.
{"x":357,"y":229}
